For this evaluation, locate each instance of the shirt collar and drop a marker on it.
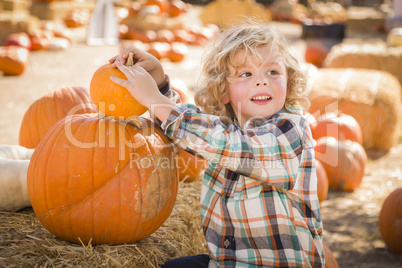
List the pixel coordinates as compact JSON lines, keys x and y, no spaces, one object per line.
{"x":260,"y":121}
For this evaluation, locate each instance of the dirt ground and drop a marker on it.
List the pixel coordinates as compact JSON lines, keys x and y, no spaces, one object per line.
{"x":350,"y":219}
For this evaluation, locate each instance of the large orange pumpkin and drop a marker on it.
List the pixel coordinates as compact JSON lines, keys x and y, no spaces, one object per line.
{"x":344,"y":162}
{"x":47,"y":110}
{"x":111,"y":98}
{"x":330,"y":261}
{"x":390,"y":221}
{"x":102,"y":180}
{"x":322,"y":181}
{"x":339,"y":126}
{"x":190,"y":166}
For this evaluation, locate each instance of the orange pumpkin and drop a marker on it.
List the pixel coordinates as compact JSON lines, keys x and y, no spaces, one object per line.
{"x":111,"y":98}
{"x":344,"y":162}
{"x":339,"y":126}
{"x":13,"y":60}
{"x":330,"y":261}
{"x":316,"y":53}
{"x":190,"y":166}
{"x":176,"y":8}
{"x":102,"y":180}
{"x":177,"y":52}
{"x":322,"y":181}
{"x":162,"y":4}
{"x":47,"y":110}
{"x":390,"y":223}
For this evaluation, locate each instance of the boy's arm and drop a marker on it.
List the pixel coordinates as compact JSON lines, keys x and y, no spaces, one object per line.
{"x":270,"y":154}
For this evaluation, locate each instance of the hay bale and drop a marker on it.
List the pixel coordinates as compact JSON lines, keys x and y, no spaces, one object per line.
{"x":24,"y":242}
{"x":372,"y":97}
{"x":376,"y":56}
{"x":58,"y":10}
{"x":15,"y":23}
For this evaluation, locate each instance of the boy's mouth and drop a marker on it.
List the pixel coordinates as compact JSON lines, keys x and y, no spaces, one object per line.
{"x":261,"y":99}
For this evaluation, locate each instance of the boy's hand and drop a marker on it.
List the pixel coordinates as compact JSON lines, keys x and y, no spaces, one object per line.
{"x":143,"y":88}
{"x":143,"y":59}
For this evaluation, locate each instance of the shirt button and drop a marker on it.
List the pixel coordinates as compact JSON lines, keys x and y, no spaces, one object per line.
{"x":226,"y":243}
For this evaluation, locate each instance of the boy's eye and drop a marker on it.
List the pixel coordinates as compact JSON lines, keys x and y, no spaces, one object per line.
{"x":273,"y":72}
{"x":246,"y":74}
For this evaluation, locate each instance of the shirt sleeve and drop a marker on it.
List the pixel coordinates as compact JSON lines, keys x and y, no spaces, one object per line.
{"x":270,"y":153}
{"x":165,"y":89}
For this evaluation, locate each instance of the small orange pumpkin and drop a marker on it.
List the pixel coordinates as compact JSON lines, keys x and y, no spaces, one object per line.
{"x":339,"y":126}
{"x":13,"y":60}
{"x":322,"y":181}
{"x":344,"y":162}
{"x":47,"y":110}
{"x":100,"y":180}
{"x":390,"y":223}
{"x":111,"y":98}
{"x":316,"y":53}
{"x":190,"y":166}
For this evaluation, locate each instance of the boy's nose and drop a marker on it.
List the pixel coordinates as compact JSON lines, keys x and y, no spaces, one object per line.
{"x":261,"y":84}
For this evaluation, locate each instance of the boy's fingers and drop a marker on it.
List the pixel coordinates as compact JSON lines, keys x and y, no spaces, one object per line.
{"x":122,"y":68}
{"x":119,"y":81}
{"x":111,"y":60}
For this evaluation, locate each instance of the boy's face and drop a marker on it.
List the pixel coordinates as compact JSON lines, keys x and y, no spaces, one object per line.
{"x":258,"y":88}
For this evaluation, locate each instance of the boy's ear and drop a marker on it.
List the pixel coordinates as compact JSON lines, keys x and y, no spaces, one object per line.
{"x":225,"y":99}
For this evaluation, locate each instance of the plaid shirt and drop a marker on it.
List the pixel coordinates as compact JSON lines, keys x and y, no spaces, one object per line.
{"x":259,"y":205}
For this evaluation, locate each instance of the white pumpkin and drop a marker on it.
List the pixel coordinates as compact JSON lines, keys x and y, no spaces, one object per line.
{"x":394,"y":37}
{"x":14,"y":162}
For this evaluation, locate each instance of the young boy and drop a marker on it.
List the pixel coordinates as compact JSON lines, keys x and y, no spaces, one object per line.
{"x":259,"y":205}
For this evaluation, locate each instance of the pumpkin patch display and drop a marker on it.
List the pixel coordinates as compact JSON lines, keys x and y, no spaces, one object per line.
{"x":96,"y":179}
{"x":14,"y":162}
{"x":339,"y":126}
{"x":112,"y":99}
{"x":344,"y":162}
{"x":390,"y":223}
{"x":189,"y":166}
{"x":47,"y":110}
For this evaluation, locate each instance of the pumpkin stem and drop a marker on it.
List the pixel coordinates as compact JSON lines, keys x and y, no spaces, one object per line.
{"x":130,"y":59}
{"x":136,"y":122}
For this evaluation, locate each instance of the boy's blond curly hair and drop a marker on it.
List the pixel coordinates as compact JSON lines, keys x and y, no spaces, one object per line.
{"x":222,"y":53}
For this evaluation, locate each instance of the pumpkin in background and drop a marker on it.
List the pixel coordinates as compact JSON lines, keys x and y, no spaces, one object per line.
{"x":344,"y":162}
{"x":103,"y":180}
{"x":18,"y":39}
{"x":316,"y":53}
{"x":47,"y":110}
{"x":330,"y":261}
{"x":111,"y":98}
{"x":311,"y":120}
{"x":14,"y":162}
{"x":390,"y":223}
{"x":322,"y":181}
{"x":13,"y":60}
{"x":189,"y":166}
{"x":338,"y":125}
